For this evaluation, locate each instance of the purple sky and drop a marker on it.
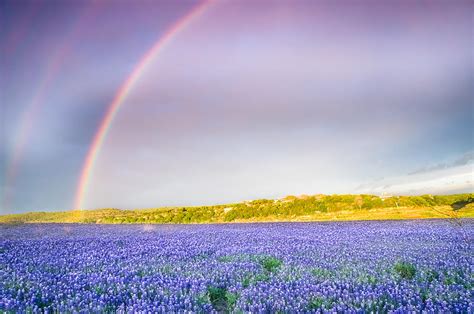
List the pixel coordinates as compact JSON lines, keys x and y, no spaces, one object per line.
{"x":250,"y":100}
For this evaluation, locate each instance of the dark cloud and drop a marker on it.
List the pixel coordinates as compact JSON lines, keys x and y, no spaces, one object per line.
{"x":465,"y":159}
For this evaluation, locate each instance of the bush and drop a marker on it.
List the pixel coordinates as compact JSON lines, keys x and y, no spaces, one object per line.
{"x":405,"y":270}
{"x":432,"y":275}
{"x":221,"y":299}
{"x":270,"y":263}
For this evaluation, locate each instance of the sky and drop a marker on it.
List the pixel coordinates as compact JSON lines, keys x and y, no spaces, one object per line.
{"x":138,"y":104}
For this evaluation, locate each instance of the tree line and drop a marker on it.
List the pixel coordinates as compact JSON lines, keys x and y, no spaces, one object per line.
{"x":281,"y":209}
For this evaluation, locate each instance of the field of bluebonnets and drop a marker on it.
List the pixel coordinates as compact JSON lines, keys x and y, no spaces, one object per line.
{"x":305,"y":267}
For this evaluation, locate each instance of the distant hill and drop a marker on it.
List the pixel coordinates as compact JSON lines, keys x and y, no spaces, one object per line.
{"x":291,"y":208}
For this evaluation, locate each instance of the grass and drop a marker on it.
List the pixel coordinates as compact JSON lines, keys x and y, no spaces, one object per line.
{"x":320,"y":303}
{"x":401,"y":213}
{"x":99,"y":216}
{"x":321,"y":273}
{"x":405,"y":270}
{"x":432,"y":275}
{"x":292,"y":210}
{"x":270,"y":263}
{"x":221,"y":299}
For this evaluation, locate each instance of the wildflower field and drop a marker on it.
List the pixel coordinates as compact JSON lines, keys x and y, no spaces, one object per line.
{"x":377,"y":266}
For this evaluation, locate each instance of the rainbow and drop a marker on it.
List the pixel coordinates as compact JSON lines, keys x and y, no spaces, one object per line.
{"x":123,"y":92}
{"x":31,"y":112}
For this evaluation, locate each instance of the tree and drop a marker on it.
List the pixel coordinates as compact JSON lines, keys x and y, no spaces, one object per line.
{"x":359,"y":201}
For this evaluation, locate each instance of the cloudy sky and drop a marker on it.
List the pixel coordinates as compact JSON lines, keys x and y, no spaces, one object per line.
{"x":242,"y":100}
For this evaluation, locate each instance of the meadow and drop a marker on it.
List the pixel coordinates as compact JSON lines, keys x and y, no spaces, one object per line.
{"x":291,"y":208}
{"x":365,"y":266}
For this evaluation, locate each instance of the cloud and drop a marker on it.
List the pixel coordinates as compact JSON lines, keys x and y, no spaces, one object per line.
{"x":457,"y":177}
{"x":461,"y":161}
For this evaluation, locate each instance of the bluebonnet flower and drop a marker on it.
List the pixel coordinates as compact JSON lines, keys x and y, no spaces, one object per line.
{"x":288,"y":267}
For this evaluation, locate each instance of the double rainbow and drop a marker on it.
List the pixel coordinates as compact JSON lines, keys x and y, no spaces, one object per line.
{"x":33,"y":108}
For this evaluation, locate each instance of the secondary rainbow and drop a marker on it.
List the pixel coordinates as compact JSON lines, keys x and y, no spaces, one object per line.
{"x":32,"y":110}
{"x":122,"y":93}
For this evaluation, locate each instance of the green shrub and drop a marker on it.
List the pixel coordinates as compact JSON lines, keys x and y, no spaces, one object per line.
{"x":405,"y":270}
{"x":221,"y":299}
{"x":231,"y":299}
{"x":432,"y":275}
{"x":270,"y":263}
{"x":246,"y":281}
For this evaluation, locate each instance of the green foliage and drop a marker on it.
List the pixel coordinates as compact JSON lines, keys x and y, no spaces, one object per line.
{"x":405,"y":270}
{"x":231,"y":299}
{"x":287,"y":208}
{"x":236,"y":257}
{"x":319,"y":303}
{"x":321,"y":273}
{"x":202,"y":298}
{"x":221,"y":299}
{"x":368,"y":279}
{"x":225,"y":259}
{"x":251,"y":279}
{"x":432,"y":275}
{"x":453,"y":278}
{"x":459,"y":204}
{"x":270,"y":263}
{"x":246,"y":281}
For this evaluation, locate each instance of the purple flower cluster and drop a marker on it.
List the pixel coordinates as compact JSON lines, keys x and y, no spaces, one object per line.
{"x":398,"y":266}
